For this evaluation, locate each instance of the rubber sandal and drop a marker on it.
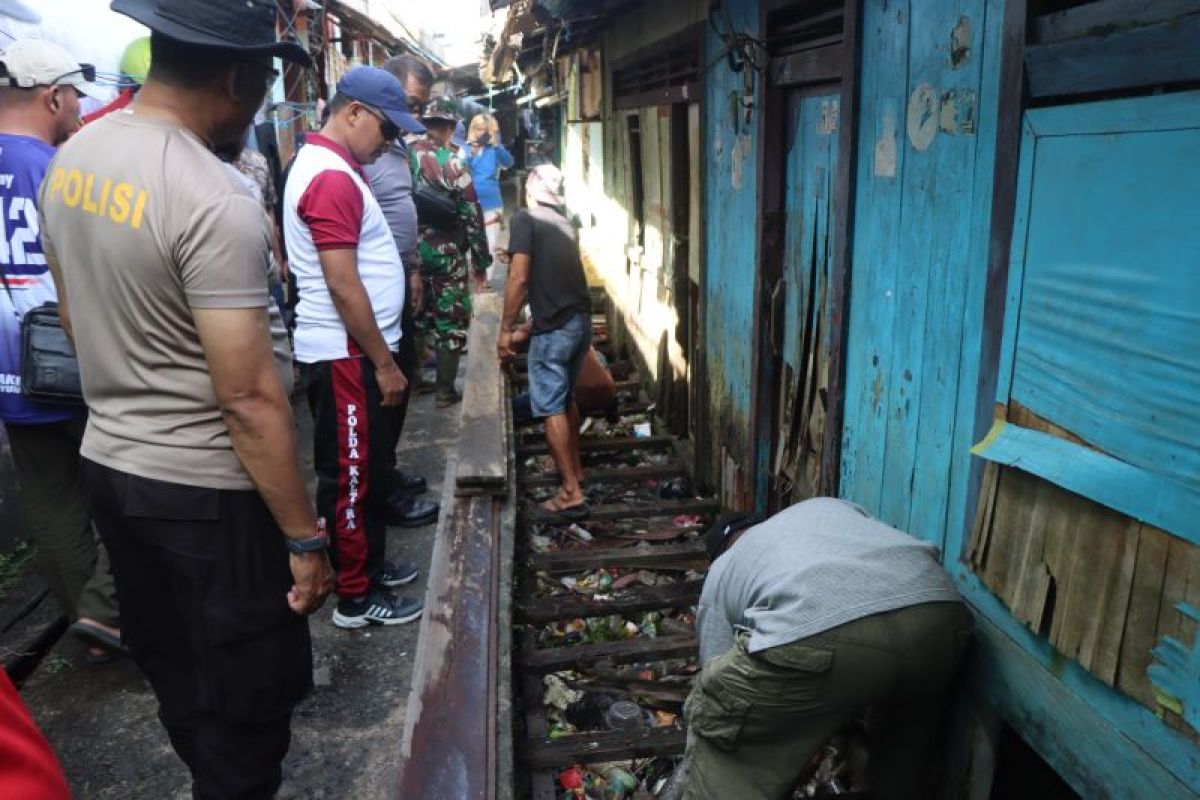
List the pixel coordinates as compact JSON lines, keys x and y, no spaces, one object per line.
{"x":97,"y":636}
{"x":576,"y":513}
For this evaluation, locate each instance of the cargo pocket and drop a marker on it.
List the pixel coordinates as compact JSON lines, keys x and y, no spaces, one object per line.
{"x":799,"y":657}
{"x":717,"y":719}
{"x":261,"y":657}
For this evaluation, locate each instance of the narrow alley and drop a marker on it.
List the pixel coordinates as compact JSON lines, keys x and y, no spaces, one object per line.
{"x":600,"y":399}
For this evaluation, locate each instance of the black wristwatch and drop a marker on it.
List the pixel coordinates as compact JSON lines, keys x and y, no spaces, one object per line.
{"x":318,"y":542}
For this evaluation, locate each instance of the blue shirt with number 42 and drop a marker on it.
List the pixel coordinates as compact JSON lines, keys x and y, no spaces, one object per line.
{"x":26,"y":280}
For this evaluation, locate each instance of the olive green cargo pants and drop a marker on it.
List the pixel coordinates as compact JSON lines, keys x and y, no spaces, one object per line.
{"x":755,"y":719}
{"x":54,"y":504}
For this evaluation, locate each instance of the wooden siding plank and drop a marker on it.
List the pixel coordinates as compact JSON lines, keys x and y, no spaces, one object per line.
{"x":954,"y":152}
{"x":1165,"y":53}
{"x":1110,"y":632}
{"x":1105,"y":16}
{"x":1141,"y":623}
{"x":881,"y":153}
{"x":981,"y":531}
{"x":920,"y":269}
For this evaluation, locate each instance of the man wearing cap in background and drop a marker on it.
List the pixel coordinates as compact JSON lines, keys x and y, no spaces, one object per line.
{"x":351,"y":288}
{"x":190,"y":454}
{"x":391,"y":183}
{"x":805,"y":621}
{"x":39,"y":108}
{"x":450,"y":247}
{"x":547,"y":268}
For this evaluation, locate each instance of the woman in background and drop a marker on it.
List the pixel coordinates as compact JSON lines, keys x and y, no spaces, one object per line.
{"x":486,"y":157}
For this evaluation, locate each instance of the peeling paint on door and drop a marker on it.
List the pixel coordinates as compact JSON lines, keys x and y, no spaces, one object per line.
{"x":960,"y":42}
{"x":885,"y":145}
{"x":922,"y":116}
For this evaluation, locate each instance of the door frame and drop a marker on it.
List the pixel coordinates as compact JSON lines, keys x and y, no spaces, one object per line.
{"x":808,"y":72}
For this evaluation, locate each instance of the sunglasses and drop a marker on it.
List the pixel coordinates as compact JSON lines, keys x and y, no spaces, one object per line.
{"x":386,"y":126}
{"x":88,"y":71}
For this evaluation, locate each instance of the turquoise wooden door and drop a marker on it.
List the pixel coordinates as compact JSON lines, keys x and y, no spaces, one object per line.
{"x":800,"y":300}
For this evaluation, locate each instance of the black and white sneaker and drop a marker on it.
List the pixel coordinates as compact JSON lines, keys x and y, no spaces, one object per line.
{"x":390,"y":574}
{"x":377,"y":608}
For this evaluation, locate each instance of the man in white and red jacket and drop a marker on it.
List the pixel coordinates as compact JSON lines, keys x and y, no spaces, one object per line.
{"x":351,"y":292}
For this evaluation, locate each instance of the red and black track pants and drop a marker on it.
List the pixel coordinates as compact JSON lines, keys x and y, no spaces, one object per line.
{"x":354,"y":450}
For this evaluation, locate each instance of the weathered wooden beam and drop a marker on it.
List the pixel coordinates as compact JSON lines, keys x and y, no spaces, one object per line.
{"x":536,"y":611}
{"x":1102,"y":17}
{"x":684,"y":555}
{"x":606,"y":746}
{"x":616,"y":443}
{"x":1165,"y":53}
{"x":451,"y":725}
{"x":665,"y":508}
{"x":483,"y":444}
{"x":673,"y":469}
{"x":845,"y":197}
{"x":820,"y":65}
{"x":683,"y":93}
{"x":628,"y":651}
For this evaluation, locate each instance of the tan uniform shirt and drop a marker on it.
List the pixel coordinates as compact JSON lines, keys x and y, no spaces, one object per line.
{"x":146,"y":225}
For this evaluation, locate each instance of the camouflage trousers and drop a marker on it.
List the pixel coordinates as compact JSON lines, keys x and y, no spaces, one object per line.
{"x":447,"y":311}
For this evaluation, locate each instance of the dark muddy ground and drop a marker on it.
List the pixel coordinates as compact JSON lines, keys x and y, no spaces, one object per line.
{"x":345,"y":737}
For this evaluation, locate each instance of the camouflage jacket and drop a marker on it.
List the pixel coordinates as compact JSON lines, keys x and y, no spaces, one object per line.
{"x":441,"y":168}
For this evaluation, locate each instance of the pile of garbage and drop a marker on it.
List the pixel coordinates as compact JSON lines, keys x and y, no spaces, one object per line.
{"x":617,"y":491}
{"x":614,"y":627}
{"x":547,"y":537}
{"x":604,"y":583}
{"x":635,"y":457}
{"x":640,"y":426}
{"x":640,"y":779}
{"x":628,"y":698}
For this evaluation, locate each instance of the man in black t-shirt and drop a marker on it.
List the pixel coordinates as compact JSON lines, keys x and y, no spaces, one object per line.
{"x":547,"y":268}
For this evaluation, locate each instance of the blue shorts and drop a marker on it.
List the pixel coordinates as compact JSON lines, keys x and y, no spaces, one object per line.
{"x":554,"y":361}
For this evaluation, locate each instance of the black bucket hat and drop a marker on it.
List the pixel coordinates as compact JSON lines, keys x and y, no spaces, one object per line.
{"x":724,"y":527}
{"x":243,"y":26}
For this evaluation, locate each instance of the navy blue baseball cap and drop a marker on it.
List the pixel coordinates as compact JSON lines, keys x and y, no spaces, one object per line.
{"x":380,"y":89}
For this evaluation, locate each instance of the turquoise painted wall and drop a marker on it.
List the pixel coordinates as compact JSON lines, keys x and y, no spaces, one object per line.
{"x":926,"y":155}
{"x":926,"y":147}
{"x":731,"y":180}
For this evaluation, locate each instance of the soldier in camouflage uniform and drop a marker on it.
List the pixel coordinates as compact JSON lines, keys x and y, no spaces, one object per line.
{"x":445,"y":253}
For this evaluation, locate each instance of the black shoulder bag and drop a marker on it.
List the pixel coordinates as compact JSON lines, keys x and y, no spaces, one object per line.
{"x":49,"y":370}
{"x":436,"y":208}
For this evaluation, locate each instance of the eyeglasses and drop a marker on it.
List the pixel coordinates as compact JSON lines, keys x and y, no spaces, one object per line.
{"x":417,"y":108}
{"x":88,"y":71}
{"x":388,"y":128}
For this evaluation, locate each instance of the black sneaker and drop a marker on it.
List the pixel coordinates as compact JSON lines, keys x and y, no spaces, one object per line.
{"x":377,"y":608}
{"x":395,"y":574}
{"x":405,"y":511}
{"x":407,"y":484}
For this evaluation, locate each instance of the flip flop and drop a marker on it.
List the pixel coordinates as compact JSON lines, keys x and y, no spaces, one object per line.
{"x":98,"y":636}
{"x":575,"y":513}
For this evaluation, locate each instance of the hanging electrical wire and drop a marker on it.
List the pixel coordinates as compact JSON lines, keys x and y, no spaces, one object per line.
{"x":740,"y":48}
